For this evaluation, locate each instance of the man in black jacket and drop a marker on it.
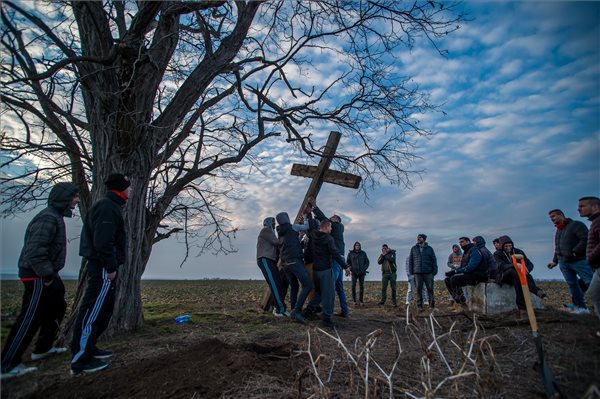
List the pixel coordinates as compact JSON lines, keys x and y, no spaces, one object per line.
{"x":488,"y":257}
{"x":472,"y":270}
{"x":103,"y":245}
{"x":570,"y":241}
{"x":42,"y":257}
{"x":422,"y":263}
{"x":337,"y":233}
{"x":508,"y":275}
{"x":358,"y":261}
{"x":292,"y":259}
{"x":324,"y":253}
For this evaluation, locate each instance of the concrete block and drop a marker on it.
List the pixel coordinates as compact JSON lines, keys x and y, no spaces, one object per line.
{"x":490,"y":298}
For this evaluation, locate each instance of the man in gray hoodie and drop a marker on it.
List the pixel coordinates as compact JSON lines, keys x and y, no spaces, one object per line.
{"x":42,"y":257}
{"x":266,"y":258}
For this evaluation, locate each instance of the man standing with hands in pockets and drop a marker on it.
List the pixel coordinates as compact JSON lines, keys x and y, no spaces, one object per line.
{"x":103,"y":245}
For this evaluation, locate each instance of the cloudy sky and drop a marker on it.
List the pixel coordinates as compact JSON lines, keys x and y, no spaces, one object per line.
{"x":520,"y":88}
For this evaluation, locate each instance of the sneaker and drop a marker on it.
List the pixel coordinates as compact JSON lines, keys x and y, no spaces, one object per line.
{"x":278,"y":314}
{"x":328,"y":324}
{"x":569,"y":306}
{"x":38,"y":356}
{"x":580,"y":311}
{"x":19,"y":369}
{"x":297,"y":317}
{"x":381,"y":303}
{"x":426,"y":303}
{"x":343,"y":314}
{"x":88,"y":367}
{"x":101,"y":354}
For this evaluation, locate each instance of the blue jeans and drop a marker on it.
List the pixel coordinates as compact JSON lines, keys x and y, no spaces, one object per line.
{"x":338,"y":274}
{"x":324,"y":292}
{"x":412,"y":287}
{"x":570,"y":271}
{"x":296,"y":272}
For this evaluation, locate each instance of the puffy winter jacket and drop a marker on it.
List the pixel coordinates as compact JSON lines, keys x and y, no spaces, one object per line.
{"x":45,"y":245}
{"x":570,"y":242}
{"x":422,"y":260}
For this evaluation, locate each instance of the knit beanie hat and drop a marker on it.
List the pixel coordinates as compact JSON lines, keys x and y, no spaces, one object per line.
{"x":118,"y":182}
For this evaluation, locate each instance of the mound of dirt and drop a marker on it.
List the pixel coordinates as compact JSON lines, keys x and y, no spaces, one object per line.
{"x":204,"y":370}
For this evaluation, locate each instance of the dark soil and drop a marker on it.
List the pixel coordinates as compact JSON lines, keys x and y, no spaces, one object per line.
{"x":232,"y":349}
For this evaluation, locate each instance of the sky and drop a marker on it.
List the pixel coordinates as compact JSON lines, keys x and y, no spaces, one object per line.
{"x":519,"y":136}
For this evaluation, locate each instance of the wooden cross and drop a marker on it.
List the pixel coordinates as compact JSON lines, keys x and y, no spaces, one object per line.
{"x":320,"y":174}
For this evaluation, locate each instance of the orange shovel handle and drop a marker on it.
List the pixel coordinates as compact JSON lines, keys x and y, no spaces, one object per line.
{"x":519,"y":264}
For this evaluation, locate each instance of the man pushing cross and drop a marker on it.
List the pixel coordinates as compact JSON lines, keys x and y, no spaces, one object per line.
{"x":319,"y":175}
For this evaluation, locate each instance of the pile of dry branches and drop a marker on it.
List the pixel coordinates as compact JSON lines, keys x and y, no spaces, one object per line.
{"x":419,"y":359}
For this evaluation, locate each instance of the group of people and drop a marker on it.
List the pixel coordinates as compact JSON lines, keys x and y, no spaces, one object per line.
{"x":307,"y":258}
{"x":310,"y":264}
{"x":102,"y":245}
{"x":315,"y":261}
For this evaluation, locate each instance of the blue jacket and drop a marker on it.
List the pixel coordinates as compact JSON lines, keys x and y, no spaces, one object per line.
{"x":472,"y":262}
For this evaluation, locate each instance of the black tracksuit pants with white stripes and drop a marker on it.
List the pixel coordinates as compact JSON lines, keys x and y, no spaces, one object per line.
{"x":43,"y":309}
{"x":94,"y":314}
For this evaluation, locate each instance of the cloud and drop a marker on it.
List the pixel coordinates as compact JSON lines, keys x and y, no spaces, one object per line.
{"x":520,"y":136}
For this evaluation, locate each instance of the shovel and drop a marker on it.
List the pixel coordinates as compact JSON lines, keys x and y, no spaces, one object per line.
{"x":550,"y":385}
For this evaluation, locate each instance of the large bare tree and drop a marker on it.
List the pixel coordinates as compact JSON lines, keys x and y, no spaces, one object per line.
{"x":179,"y":94}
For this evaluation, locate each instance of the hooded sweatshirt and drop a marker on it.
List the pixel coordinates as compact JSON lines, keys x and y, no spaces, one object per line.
{"x":45,"y":247}
{"x":488,"y":257}
{"x":267,"y":242}
{"x":324,"y":251}
{"x":289,"y":242}
{"x":358,"y":260}
{"x":504,"y":258}
{"x":454,"y":258}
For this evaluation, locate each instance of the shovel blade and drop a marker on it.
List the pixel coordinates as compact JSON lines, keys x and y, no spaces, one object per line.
{"x":550,"y":386}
